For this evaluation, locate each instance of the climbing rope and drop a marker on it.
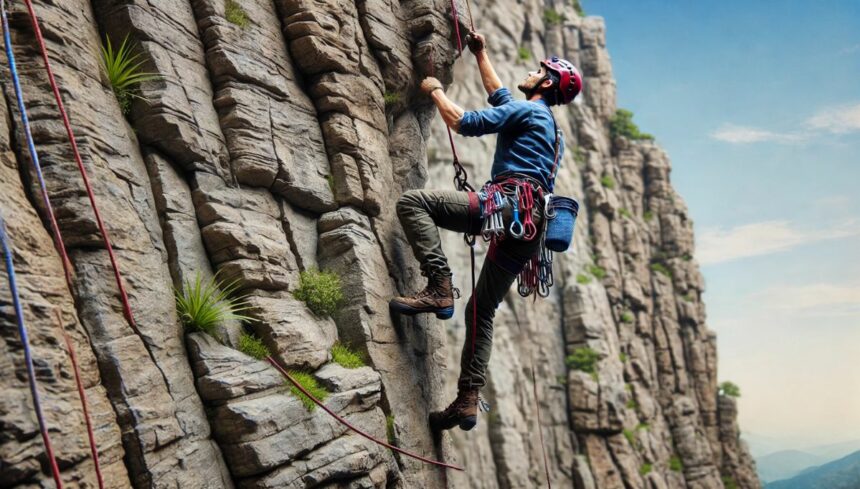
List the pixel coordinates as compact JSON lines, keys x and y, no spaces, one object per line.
{"x":117,"y":276}
{"x":22,"y":331}
{"x":540,"y":425}
{"x":56,"y":234}
{"x":349,"y":425}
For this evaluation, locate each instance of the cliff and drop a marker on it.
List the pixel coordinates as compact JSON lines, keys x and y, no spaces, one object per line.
{"x":278,"y":142}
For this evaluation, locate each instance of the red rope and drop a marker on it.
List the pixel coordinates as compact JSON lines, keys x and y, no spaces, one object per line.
{"x":83,"y":396}
{"x":125,"y":304}
{"x":346,"y":423}
{"x":456,"y":26}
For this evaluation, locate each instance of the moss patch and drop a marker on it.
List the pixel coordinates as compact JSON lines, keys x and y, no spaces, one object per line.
{"x":235,"y":14}
{"x":321,"y":291}
{"x":252,"y":346}
{"x":584,"y":359}
{"x":346,"y":357}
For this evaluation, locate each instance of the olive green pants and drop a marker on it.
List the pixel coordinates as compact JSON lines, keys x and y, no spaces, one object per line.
{"x":421,"y":213}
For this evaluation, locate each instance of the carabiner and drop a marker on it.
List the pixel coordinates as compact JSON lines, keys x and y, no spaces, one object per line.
{"x":516,"y":226}
{"x":548,"y":210}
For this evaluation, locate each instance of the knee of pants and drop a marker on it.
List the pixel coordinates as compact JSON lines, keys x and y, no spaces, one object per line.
{"x":409,"y":199}
{"x":485,"y":311}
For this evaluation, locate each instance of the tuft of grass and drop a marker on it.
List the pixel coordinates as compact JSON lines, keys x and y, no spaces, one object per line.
{"x":648,"y":216}
{"x":675,"y":464}
{"x":584,"y":359}
{"x":644,"y":469}
{"x":623,"y":357}
{"x":583,"y":279}
{"x":204,"y":306}
{"x":622,"y":124}
{"x":626,"y":317}
{"x":729,"y":482}
{"x":631,"y":437}
{"x":310,"y":384}
{"x":730,"y":389}
{"x":122,"y":67}
{"x":577,"y":6}
{"x":552,"y":17}
{"x":330,"y":180}
{"x":321,"y":291}
{"x":389,"y":428}
{"x":598,"y":271}
{"x":235,"y":14}
{"x":252,"y":346}
{"x":632,"y":404}
{"x":391,"y":98}
{"x":661,"y":268}
{"x":607,"y":181}
{"x":643,"y":426}
{"x":625,"y":213}
{"x":523,"y":53}
{"x":345,"y":356}
{"x":579,"y":156}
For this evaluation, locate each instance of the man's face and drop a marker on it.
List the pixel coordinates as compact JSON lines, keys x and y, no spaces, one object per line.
{"x":530,"y":83}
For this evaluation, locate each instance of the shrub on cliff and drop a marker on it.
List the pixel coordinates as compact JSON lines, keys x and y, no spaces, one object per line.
{"x":321,"y":291}
{"x":204,"y":306}
{"x":622,"y":124}
{"x":583,"y":358}
{"x":730,"y":389}
{"x":123,"y":70}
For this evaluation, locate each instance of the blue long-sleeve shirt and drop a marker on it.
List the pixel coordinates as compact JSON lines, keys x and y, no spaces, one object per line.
{"x":526,"y":135}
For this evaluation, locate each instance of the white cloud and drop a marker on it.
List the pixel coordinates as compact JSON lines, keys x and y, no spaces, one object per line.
{"x":731,"y":133}
{"x":717,"y":245}
{"x":837,"y":120}
{"x":838,"y":299}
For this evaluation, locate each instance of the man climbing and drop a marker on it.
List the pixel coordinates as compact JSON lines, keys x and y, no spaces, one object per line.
{"x":525,"y":157}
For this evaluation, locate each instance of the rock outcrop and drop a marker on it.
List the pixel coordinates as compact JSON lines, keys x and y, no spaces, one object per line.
{"x":275,"y":139}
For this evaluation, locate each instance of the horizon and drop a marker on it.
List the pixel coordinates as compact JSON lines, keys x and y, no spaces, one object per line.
{"x":758,"y":109}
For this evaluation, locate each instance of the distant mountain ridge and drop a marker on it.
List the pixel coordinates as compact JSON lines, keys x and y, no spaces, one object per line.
{"x":839,"y":474}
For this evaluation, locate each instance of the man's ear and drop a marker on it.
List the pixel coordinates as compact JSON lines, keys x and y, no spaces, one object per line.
{"x":546,"y":83}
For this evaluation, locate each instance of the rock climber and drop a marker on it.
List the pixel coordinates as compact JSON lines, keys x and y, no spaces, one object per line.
{"x":524,"y":157}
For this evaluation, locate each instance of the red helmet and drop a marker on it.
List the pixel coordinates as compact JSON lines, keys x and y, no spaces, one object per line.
{"x":569,"y":79}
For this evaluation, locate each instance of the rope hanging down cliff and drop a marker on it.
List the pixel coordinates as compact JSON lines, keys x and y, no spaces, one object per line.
{"x":25,"y":341}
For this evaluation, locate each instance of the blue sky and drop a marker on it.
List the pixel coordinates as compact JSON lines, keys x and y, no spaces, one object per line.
{"x":758,"y":105}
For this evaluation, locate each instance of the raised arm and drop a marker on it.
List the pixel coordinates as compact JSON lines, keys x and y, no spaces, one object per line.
{"x":490,"y":79}
{"x":451,"y":113}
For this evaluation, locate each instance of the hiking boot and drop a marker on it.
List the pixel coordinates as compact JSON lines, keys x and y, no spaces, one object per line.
{"x":437,"y":297}
{"x":463,"y":412}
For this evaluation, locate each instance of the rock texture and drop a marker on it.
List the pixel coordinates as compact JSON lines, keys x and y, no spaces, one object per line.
{"x":276,"y":139}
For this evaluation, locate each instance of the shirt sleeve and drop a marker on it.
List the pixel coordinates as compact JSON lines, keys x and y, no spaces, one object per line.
{"x":494,"y":119}
{"x":500,"y":97}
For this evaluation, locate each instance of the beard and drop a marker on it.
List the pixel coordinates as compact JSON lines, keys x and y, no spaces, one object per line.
{"x":527,"y":89}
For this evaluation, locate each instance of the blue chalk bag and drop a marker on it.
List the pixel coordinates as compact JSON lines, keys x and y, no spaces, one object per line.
{"x":561,"y":217}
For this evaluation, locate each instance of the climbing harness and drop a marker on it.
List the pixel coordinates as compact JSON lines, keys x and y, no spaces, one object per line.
{"x":25,"y":340}
{"x":349,"y":425}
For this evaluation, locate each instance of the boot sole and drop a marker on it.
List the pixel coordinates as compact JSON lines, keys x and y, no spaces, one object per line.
{"x":468,"y":423}
{"x":444,"y":313}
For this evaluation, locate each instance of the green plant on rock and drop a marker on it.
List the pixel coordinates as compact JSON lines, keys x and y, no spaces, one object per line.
{"x":579,"y":156}
{"x":583,"y":279}
{"x":389,"y":429}
{"x":729,"y":482}
{"x":598,"y":271}
{"x":623,"y":357}
{"x":391,"y":98}
{"x":330,"y":180}
{"x":310,"y":384}
{"x":688,"y":297}
{"x":552,"y":17}
{"x":730,"y":389}
{"x":631,"y":437}
{"x":577,"y":6}
{"x":675,"y":464}
{"x":523,"y":53}
{"x":622,"y":124}
{"x":607,"y":181}
{"x":235,"y":14}
{"x":346,"y":357}
{"x":253,"y":347}
{"x":584,"y":359}
{"x":643,"y":426}
{"x":625,"y":213}
{"x":561,"y":379}
{"x":632,"y":404}
{"x":321,"y":291}
{"x":204,"y":306}
{"x":662,"y":269}
{"x":626,"y":317}
{"x":648,"y":216}
{"x":644,"y":469}
{"x":123,"y":70}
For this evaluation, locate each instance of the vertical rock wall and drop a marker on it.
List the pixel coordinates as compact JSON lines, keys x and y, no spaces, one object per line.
{"x":279,"y":142}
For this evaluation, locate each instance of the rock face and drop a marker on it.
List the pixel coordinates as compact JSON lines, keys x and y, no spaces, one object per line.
{"x":276,"y":139}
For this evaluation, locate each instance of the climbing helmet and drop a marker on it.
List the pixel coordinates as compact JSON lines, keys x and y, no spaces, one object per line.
{"x":569,"y":79}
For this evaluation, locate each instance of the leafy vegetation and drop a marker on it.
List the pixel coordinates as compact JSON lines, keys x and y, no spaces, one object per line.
{"x":624,"y":213}
{"x":310,"y":384}
{"x":583,"y":279}
{"x":730,"y":389}
{"x":622,"y":124}
{"x":235,"y":14}
{"x":321,"y":291}
{"x":391,"y":98}
{"x":607,"y":181}
{"x":648,"y":216}
{"x":675,"y":464}
{"x":632,"y":404}
{"x":661,"y":268}
{"x":523,"y":53}
{"x":204,"y":306}
{"x":577,"y":6}
{"x":389,"y":428}
{"x":623,"y":357}
{"x":123,"y":70}
{"x":729,"y":483}
{"x":626,"y":317}
{"x":252,"y":346}
{"x":552,"y":17}
{"x":598,"y":271}
{"x":631,"y":437}
{"x":584,"y":359}
{"x":346,"y":357}
{"x":645,"y":468}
